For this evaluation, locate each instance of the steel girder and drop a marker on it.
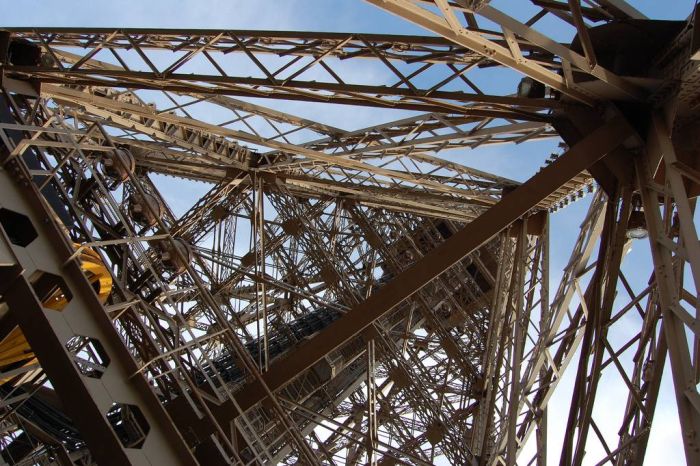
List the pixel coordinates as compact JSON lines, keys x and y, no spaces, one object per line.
{"x":328,"y":210}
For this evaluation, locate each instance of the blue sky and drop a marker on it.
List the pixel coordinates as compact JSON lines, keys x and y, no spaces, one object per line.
{"x":329,"y":15}
{"x":354,"y":15}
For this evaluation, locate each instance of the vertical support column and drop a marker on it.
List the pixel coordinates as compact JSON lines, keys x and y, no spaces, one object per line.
{"x":598,"y":305}
{"x":678,"y":322}
{"x":560,"y":334}
{"x":517,"y":301}
{"x":545,"y":320}
{"x":492,"y":357}
{"x":372,"y":424}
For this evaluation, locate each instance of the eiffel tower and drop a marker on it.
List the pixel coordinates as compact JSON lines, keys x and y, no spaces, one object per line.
{"x":350,"y":296}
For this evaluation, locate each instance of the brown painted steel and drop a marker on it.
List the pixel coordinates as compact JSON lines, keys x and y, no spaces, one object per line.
{"x":510,"y":208}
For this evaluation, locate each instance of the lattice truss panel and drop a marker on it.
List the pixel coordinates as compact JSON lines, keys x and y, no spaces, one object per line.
{"x":304,"y":223}
{"x":320,"y":257}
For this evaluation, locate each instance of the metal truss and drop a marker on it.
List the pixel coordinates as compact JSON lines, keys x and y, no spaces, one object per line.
{"x":343,"y":295}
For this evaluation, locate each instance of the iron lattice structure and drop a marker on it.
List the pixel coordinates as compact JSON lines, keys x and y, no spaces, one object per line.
{"x":345,"y":296}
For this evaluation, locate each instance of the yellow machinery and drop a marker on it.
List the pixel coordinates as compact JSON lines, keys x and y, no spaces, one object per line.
{"x":14,"y":348}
